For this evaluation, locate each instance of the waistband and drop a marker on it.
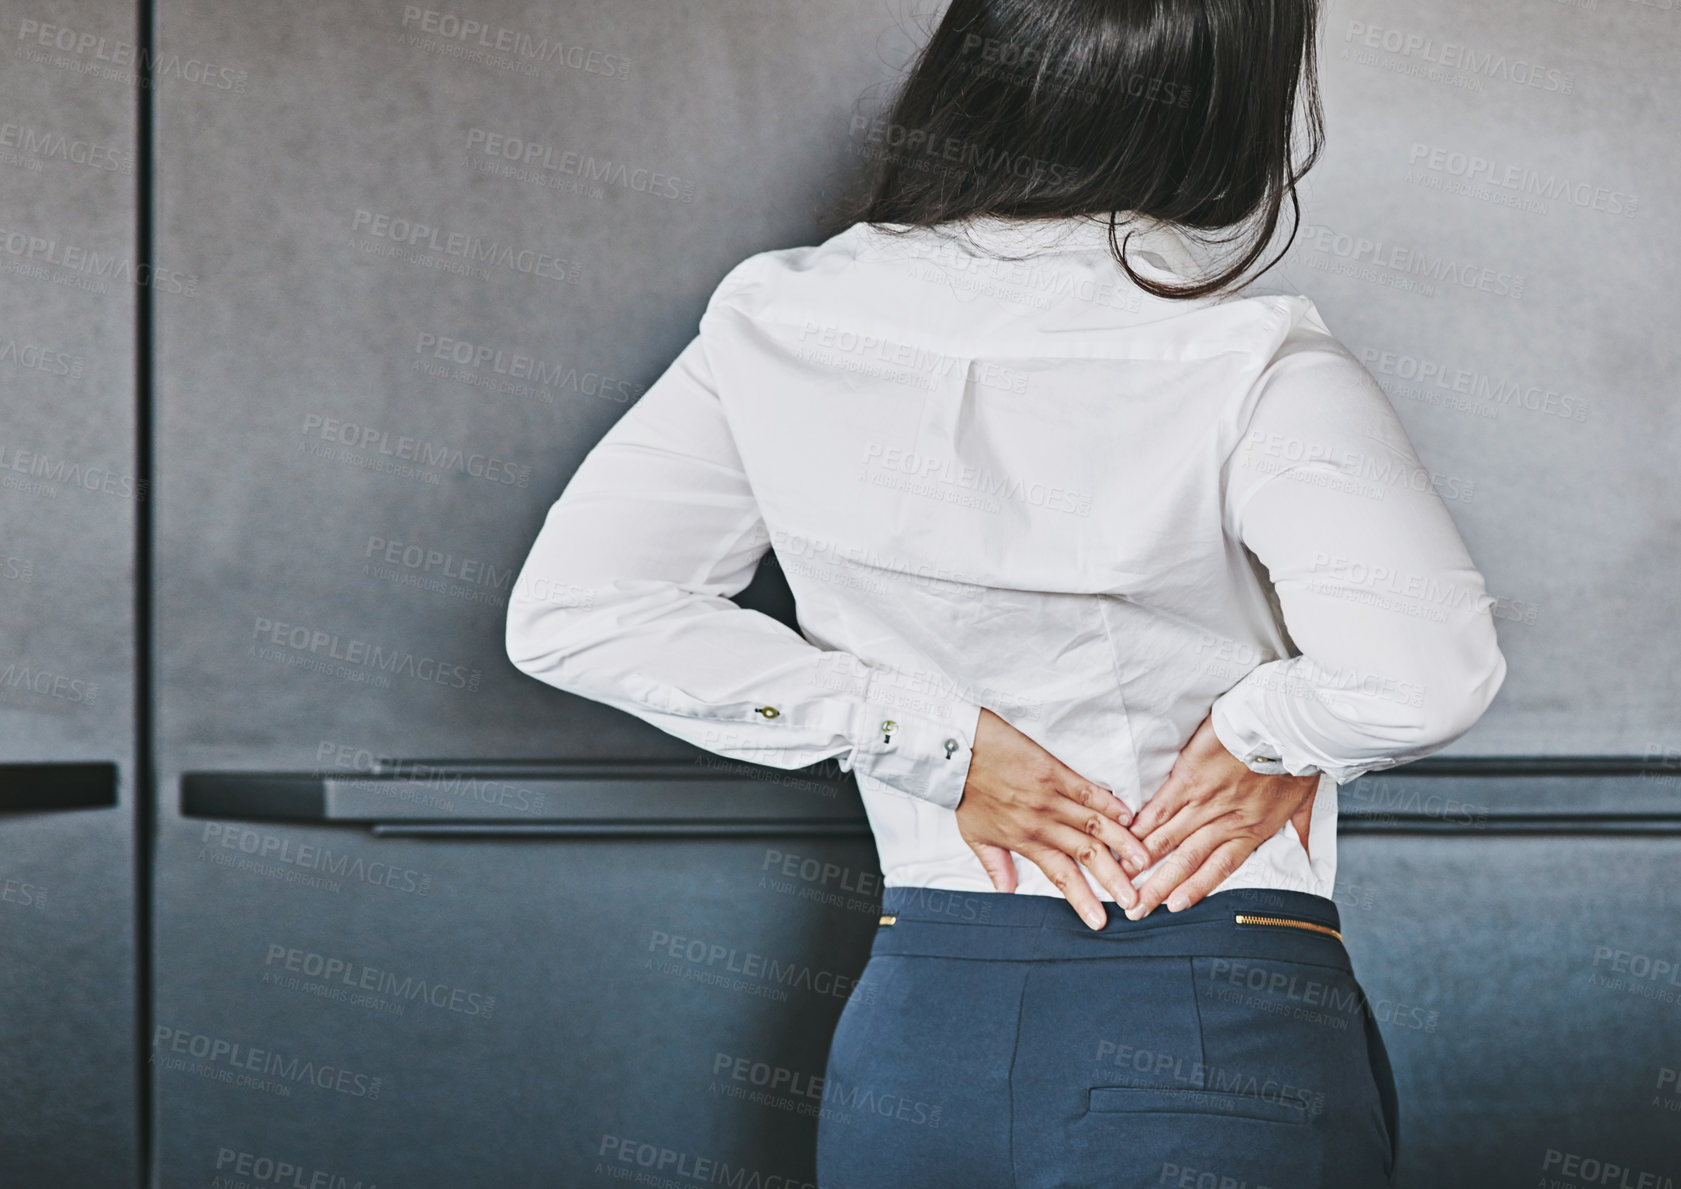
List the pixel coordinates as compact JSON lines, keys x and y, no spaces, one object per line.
{"x":1005,"y":927}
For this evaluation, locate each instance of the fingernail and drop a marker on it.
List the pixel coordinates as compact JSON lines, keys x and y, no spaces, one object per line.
{"x":1136,"y":911}
{"x":1175,"y":903}
{"x":1130,"y":866}
{"x":1096,"y":921}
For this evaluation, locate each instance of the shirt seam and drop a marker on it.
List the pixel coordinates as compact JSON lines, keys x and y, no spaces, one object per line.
{"x":1015,"y":1050}
{"x":1120,"y":696}
{"x":988,"y":347}
{"x":1196,"y":1007}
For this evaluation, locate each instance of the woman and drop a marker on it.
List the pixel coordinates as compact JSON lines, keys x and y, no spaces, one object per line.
{"x":1086,"y":550}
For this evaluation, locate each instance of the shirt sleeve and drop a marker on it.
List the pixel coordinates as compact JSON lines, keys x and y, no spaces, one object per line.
{"x":1392,"y":623}
{"x":624,"y":599}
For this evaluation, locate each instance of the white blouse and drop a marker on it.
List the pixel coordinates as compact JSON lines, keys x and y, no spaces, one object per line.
{"x":1026,"y":484}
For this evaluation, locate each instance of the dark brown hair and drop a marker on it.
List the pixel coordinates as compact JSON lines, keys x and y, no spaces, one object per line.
{"x":1179,"y":110}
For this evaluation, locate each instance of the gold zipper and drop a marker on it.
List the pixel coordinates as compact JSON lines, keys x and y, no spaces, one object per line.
{"x":1246,"y":919}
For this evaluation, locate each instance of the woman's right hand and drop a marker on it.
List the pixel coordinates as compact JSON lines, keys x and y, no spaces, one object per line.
{"x":1021,"y":798}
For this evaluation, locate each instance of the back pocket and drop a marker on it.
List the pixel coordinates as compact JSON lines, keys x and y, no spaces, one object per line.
{"x":1157,"y":1100}
{"x":1112,"y":1088}
{"x":1145,"y":1137}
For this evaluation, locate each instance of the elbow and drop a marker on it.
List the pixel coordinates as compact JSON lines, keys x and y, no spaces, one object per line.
{"x":517,"y":640}
{"x":1459,"y":693}
{"x":520,"y":641}
{"x":541,"y":634}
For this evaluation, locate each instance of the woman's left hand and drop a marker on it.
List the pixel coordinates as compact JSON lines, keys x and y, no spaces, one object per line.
{"x":1211,"y":813}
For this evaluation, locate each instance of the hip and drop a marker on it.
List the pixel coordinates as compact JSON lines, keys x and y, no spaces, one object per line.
{"x":1229,"y":1039}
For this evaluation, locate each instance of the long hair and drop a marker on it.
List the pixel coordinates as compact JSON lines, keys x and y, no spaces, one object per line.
{"x":1182,"y":111}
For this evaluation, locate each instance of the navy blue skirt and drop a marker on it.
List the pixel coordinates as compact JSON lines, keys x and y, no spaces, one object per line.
{"x":996,"y":1040}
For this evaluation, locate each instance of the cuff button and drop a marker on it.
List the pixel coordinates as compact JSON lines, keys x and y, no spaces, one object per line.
{"x":769,"y":711}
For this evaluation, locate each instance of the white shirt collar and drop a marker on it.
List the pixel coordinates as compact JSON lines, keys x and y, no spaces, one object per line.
{"x":1154,"y":247}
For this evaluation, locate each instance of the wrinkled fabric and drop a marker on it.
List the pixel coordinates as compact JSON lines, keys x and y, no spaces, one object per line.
{"x":996,"y":473}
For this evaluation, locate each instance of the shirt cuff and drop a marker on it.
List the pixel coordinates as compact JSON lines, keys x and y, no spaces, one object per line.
{"x":1249,"y":745}
{"x":921,"y":755}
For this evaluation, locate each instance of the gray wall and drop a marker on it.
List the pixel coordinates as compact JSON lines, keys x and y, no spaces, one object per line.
{"x":1491,"y":229}
{"x":1514,"y":316}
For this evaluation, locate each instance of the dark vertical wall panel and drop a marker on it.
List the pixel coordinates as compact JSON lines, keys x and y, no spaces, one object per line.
{"x":352,"y":455}
{"x":68,"y":291}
